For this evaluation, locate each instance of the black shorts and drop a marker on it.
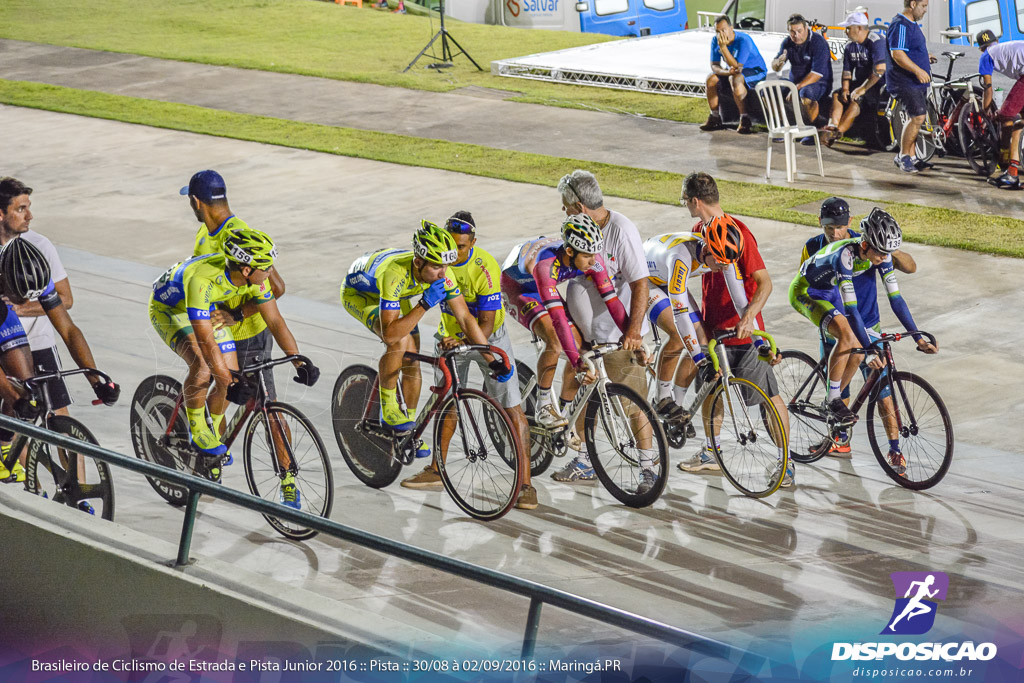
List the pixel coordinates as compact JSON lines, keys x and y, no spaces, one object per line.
{"x":257,"y":350}
{"x":913,"y":100}
{"x":47,"y":361}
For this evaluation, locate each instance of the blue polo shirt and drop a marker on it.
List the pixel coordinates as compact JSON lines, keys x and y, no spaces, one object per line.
{"x":746,"y":53}
{"x":811,"y":55}
{"x":904,"y":34}
{"x":860,"y":59}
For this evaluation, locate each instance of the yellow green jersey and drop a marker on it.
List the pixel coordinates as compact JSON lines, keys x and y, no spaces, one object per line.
{"x":197,"y":285}
{"x":212,"y":243}
{"x":479,"y":280}
{"x":388,"y":274}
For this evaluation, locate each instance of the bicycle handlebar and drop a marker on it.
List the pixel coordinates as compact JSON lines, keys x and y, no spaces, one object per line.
{"x":258,"y":367}
{"x":731,"y":334}
{"x":601,"y":350}
{"x":30,"y":384}
{"x":895,"y":336}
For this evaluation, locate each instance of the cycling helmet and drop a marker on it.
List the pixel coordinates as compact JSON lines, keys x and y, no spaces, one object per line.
{"x":723,"y":239}
{"x":582,"y":234}
{"x":433,"y":244}
{"x":24,"y":270}
{"x":248,"y":247}
{"x":881,"y":231}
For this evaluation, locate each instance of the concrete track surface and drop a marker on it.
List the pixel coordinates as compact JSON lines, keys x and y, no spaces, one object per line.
{"x":795,"y":566}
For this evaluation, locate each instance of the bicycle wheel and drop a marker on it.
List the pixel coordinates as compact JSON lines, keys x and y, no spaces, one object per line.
{"x":752,"y":447}
{"x":482,"y":482}
{"x":625,"y":441}
{"x":293,"y":445}
{"x":541,"y":450}
{"x":925,"y":432}
{"x":67,"y":477}
{"x":804,"y":389}
{"x":369,"y":455}
{"x":924,"y":146}
{"x":152,"y":410}
{"x":978,"y":140}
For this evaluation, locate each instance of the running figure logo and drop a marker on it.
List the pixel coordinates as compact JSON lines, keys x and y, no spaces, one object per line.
{"x":914,"y":613}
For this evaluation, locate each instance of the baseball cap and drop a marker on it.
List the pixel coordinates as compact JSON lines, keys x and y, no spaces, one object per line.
{"x":206,"y":186}
{"x":834,"y":211}
{"x":986,"y":38}
{"x":855,"y":19}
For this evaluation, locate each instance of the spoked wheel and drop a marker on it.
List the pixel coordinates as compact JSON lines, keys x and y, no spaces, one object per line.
{"x":67,"y":477}
{"x":804,"y":389}
{"x":917,"y":414}
{"x":471,"y":434}
{"x":284,"y":442}
{"x":151,"y":411}
{"x":627,"y":446}
{"x":924,"y":147}
{"x":368,"y":454}
{"x":753,"y":450}
{"x":542,"y":449}
{"x":979,"y":140}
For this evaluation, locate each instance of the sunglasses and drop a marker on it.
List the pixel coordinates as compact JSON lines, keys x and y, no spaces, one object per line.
{"x":460,"y":226}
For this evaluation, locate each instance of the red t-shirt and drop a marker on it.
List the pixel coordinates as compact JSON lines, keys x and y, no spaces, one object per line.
{"x":719,"y":310}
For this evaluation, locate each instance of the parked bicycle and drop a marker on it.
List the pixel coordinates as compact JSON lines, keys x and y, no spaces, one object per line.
{"x":53,"y":472}
{"x":915,"y":413}
{"x":621,"y":433}
{"x":278,"y":443}
{"x":476,"y":445}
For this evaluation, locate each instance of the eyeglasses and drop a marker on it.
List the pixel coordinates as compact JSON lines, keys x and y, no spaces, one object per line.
{"x":568,"y":181}
{"x":460,"y":226}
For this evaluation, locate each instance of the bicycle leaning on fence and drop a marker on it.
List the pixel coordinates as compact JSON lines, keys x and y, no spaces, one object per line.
{"x":914,"y":412}
{"x":476,"y":445}
{"x":284,"y":458}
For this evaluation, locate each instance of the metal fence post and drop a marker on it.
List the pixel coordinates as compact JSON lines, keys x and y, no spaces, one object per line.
{"x":532,"y":624}
{"x":186,"y":528}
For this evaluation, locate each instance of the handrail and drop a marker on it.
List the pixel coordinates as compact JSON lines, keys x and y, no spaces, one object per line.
{"x":538,"y":593}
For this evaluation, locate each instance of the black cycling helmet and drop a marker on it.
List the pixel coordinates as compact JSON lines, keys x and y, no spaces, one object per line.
{"x":24,"y":271}
{"x":881,"y":231}
{"x":986,"y":38}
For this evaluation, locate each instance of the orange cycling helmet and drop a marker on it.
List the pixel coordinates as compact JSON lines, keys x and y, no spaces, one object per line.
{"x":723,"y":239}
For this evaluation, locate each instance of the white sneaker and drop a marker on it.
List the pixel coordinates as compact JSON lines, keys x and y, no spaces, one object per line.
{"x":549,"y":417}
{"x":704,"y":461}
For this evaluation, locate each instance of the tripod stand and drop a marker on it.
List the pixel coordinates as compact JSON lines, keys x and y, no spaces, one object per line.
{"x":445,"y":60}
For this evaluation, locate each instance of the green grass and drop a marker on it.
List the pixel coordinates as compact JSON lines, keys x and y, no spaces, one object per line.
{"x":1004,"y":236}
{"x":319,"y":39}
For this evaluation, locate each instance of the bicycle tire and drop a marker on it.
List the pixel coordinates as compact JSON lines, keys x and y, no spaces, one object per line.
{"x":64,"y":481}
{"x":541,"y":453}
{"x":618,"y":468}
{"x":756,"y":472}
{"x":978,"y":140}
{"x":152,"y":407}
{"x":809,"y":437}
{"x":369,"y":456}
{"x":924,"y":146}
{"x":485,"y":487}
{"x":314,"y":478}
{"x":928,"y":455}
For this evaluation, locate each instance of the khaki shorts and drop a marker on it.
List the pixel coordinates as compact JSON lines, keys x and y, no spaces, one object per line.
{"x":621,"y":369}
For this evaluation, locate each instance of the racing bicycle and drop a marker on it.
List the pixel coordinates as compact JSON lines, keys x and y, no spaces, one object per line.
{"x":277,"y":440}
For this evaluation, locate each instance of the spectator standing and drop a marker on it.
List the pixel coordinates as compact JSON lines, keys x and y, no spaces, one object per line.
{"x":1008,"y":59}
{"x":864,"y":64}
{"x":907,"y":75}
{"x":810,"y":67}
{"x":736,"y":66}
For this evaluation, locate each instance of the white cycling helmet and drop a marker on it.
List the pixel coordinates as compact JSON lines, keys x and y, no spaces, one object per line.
{"x":582,"y":234}
{"x":881,"y":231}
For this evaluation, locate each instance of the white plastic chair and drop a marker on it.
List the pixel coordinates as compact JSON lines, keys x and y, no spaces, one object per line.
{"x":785,"y":121}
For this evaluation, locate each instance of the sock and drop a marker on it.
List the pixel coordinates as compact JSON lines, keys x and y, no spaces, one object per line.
{"x":411,"y":412}
{"x":196,"y":418}
{"x":1014,"y":168}
{"x":217,"y":421}
{"x":832,"y":123}
{"x":834,"y":390}
{"x":894,"y":445}
{"x":664,"y":389}
{"x":843,"y":437}
{"x":679,"y":393}
{"x":562,"y":403}
{"x":543,"y":397}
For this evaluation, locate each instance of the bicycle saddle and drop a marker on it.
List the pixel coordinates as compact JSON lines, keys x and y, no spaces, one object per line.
{"x":953,"y":55}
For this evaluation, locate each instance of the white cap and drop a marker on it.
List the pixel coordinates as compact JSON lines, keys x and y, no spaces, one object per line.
{"x":855,"y":19}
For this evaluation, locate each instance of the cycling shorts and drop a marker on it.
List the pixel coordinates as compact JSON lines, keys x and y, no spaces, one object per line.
{"x":873,"y":333}
{"x":365,"y":307}
{"x":523,"y":302}
{"x":173,"y":326}
{"x":817,"y":305}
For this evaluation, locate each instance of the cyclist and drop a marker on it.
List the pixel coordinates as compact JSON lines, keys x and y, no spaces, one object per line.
{"x":180,"y":311}
{"x":824,"y":292}
{"x":529,"y":278}
{"x":864,"y":64}
{"x":378,"y":292}
{"x":1005,"y":58}
{"x":479,"y":279}
{"x":25,"y":276}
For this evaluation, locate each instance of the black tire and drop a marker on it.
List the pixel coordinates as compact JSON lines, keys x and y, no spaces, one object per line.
{"x":803,"y":388}
{"x":541,"y":452}
{"x":307,"y":461}
{"x":68,"y":477}
{"x":926,"y":440}
{"x":924,"y":147}
{"x":483,"y":482}
{"x":979,"y":140}
{"x":151,"y":410}
{"x":368,"y":455}
{"x":616,"y":463}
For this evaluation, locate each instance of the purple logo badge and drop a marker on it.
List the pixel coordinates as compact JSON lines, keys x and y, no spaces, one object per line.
{"x":916,"y":595}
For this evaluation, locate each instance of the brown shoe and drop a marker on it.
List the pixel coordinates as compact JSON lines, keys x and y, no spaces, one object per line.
{"x":830,"y":135}
{"x":744,"y":128}
{"x":714,"y":122}
{"x":527,"y":498}
{"x":427,"y":480}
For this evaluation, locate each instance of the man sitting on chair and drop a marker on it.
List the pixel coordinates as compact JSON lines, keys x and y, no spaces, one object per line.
{"x":736,"y":65}
{"x":810,"y":67}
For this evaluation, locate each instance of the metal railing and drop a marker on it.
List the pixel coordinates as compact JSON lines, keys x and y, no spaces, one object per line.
{"x":539,"y":594}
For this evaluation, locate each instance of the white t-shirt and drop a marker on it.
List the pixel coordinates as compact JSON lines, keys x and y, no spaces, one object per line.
{"x":38,"y":328}
{"x":625,"y":260}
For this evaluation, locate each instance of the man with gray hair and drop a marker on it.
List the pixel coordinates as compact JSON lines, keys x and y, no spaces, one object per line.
{"x":624,"y":258}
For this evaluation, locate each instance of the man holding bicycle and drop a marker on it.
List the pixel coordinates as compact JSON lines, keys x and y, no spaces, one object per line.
{"x":907,"y":77}
{"x":1008,"y":59}
{"x":864,"y":64}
